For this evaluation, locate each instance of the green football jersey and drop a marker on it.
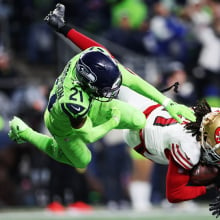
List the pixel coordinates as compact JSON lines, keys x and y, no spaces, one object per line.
{"x":66,"y":100}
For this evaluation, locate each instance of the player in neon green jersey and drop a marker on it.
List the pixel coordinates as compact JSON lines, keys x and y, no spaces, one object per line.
{"x":82,"y":106}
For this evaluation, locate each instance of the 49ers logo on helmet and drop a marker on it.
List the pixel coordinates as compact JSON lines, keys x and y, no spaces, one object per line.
{"x":217,"y":135}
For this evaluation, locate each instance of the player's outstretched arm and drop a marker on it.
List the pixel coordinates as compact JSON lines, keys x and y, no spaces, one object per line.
{"x":176,"y":110}
{"x":56,"y":19}
{"x":139,"y":85}
{"x":177,"y":189}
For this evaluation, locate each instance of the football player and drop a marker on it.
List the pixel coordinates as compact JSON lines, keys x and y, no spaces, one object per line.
{"x":181,"y":146}
{"x":82,"y":107}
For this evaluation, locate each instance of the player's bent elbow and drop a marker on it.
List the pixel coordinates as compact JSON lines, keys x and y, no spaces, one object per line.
{"x":139,"y":121}
{"x":172,"y":200}
{"x":173,"y":197}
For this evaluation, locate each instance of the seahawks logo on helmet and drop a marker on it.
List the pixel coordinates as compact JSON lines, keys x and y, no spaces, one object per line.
{"x":86,"y":72}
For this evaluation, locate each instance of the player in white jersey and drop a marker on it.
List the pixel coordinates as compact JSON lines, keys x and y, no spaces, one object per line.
{"x":181,"y":146}
{"x":161,"y":135}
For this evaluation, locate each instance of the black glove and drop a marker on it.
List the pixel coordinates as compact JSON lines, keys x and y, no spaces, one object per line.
{"x":56,"y":17}
{"x":214,"y":207}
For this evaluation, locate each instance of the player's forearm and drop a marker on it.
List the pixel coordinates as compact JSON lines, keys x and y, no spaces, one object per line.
{"x":91,"y":134}
{"x":79,"y":39}
{"x":141,"y":86}
{"x":176,"y":185}
{"x":184,"y":193}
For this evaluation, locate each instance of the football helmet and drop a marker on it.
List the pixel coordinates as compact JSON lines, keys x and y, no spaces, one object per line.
{"x":99,"y":75}
{"x":210,"y":138}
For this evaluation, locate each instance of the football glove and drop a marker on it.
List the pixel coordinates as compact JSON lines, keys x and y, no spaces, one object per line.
{"x":17,"y":128}
{"x":56,"y":17}
{"x":214,"y":207}
{"x":175,"y":110}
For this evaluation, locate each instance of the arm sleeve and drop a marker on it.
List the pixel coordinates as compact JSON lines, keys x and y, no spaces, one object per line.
{"x":91,"y":134}
{"x":79,"y":39}
{"x":176,"y":184}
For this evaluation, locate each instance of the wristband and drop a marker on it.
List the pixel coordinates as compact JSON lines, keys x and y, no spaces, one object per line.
{"x":65,"y":29}
{"x":166,"y":101}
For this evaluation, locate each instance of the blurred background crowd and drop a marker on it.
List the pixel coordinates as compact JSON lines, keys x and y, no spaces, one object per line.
{"x":164,"y":41}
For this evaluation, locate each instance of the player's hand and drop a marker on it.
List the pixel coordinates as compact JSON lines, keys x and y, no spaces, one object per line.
{"x":176,"y":110}
{"x":214,"y":207}
{"x":56,"y":17}
{"x":17,"y":127}
{"x":211,"y":186}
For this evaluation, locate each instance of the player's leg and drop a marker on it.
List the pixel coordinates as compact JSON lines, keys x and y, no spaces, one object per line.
{"x":21,"y":133}
{"x":75,"y":150}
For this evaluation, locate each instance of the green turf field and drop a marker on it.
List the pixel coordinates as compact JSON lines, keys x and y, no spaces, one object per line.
{"x":201,"y":213}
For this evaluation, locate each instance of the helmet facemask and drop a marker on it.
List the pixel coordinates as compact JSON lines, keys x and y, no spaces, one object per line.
{"x":105,"y":94}
{"x":210,"y":137}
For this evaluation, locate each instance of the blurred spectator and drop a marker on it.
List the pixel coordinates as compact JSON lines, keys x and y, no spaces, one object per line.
{"x":140,"y":185}
{"x":157,"y":180}
{"x":170,"y":33}
{"x":140,"y":179}
{"x":128,"y":24}
{"x":208,"y":71}
{"x":28,"y":97}
{"x":8,"y":188}
{"x":111,"y":166}
{"x":133,"y":12}
{"x":185,"y":93}
{"x":40,"y":44}
{"x":91,"y":15}
{"x":9,"y":78}
{"x":67,"y":186}
{"x":32,"y":37}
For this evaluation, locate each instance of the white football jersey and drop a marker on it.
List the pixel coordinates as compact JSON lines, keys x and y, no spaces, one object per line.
{"x":162,"y":134}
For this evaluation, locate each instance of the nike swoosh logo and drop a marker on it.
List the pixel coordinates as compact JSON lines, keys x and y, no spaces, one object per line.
{"x":76,"y":108}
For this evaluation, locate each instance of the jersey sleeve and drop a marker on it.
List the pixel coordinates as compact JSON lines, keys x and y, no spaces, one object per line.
{"x":74,"y":110}
{"x":181,"y":157}
{"x":81,"y":40}
{"x":75,"y":103}
{"x":177,"y":179}
{"x":185,"y":149}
